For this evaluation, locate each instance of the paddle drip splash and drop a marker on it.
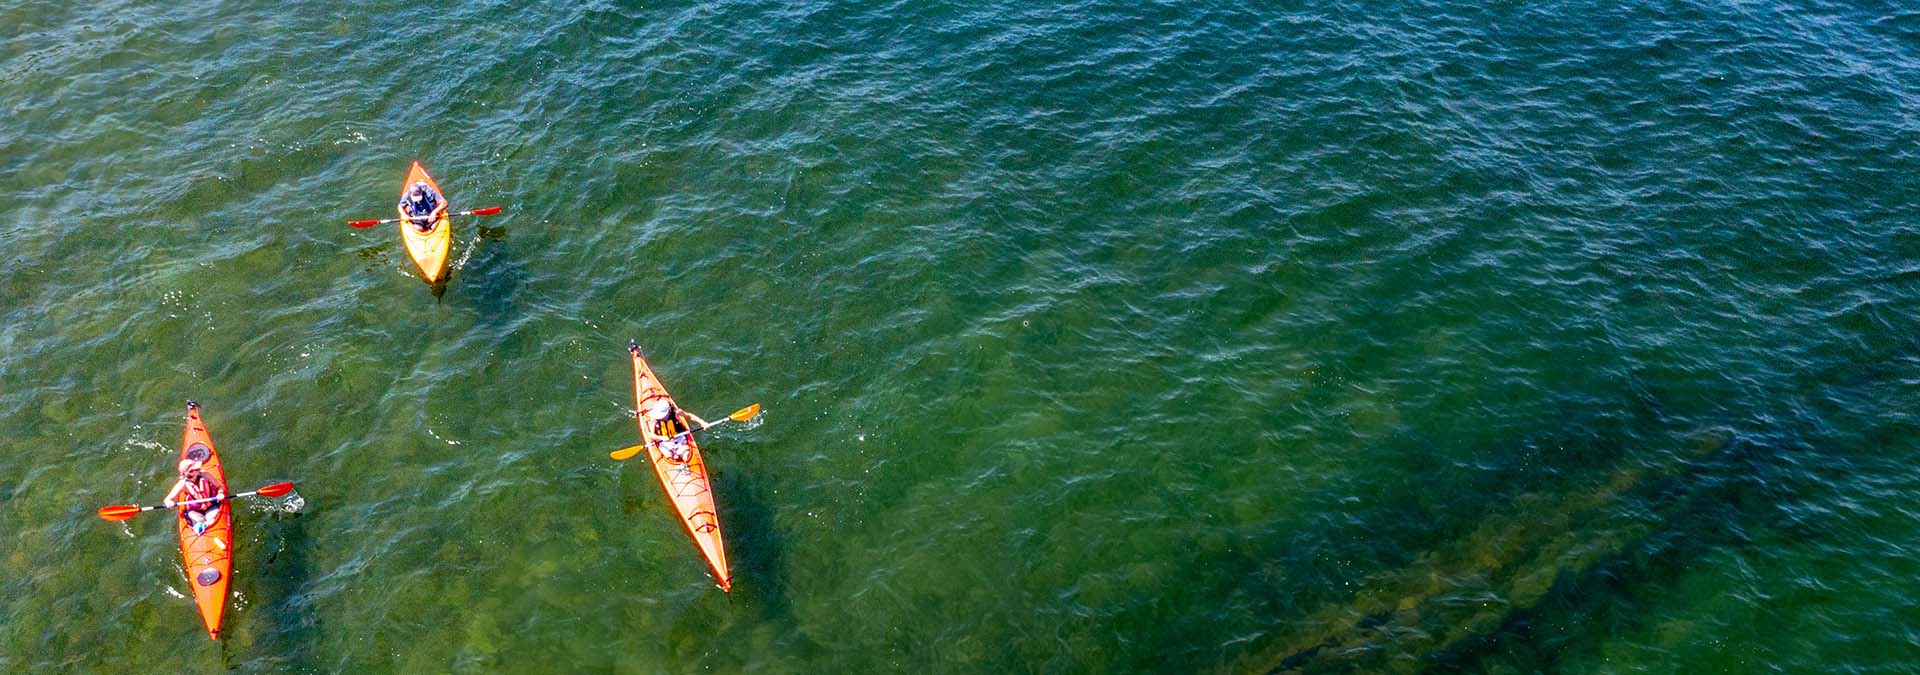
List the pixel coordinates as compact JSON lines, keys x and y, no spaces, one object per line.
{"x":292,"y":502}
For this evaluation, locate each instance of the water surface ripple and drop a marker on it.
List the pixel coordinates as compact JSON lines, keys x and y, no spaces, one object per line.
{"x":1093,"y":336}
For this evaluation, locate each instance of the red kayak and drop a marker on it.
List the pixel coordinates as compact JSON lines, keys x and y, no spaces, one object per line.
{"x":207,"y":556}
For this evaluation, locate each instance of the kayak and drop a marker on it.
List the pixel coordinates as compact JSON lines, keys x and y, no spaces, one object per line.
{"x":686,"y":482}
{"x":428,"y":249}
{"x":207,"y":556}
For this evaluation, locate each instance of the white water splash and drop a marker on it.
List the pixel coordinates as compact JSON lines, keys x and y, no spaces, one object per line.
{"x":288,"y":503}
{"x":440,"y":438}
{"x":460,"y":263}
{"x":146,"y":444}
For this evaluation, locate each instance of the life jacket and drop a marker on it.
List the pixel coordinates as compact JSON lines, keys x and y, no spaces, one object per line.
{"x":672,"y":426}
{"x":201,"y":486}
{"x":427,"y":202}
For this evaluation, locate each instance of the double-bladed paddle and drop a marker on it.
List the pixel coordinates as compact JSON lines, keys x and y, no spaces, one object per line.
{"x":114,"y":514}
{"x":740,"y":415}
{"x":476,"y":212}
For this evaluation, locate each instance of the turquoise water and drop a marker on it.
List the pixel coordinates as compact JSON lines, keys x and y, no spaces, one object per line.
{"x":1092,"y":337}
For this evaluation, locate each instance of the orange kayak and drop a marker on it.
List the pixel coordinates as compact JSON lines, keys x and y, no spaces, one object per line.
{"x":686,"y":482}
{"x":428,"y":249}
{"x":208,"y":557}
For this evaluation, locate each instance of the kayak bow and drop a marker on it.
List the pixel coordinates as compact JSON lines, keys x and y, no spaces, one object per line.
{"x":686,"y":483}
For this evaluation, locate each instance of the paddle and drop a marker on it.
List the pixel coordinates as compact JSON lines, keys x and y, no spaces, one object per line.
{"x":476,"y":212}
{"x":740,"y":415}
{"x":114,"y":514}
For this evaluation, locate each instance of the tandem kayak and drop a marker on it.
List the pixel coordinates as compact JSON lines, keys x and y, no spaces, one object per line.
{"x":686,"y":482}
{"x":428,"y":249}
{"x":207,"y":556}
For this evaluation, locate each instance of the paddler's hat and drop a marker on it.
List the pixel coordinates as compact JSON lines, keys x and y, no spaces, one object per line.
{"x":660,"y":411}
{"x":187,"y":465}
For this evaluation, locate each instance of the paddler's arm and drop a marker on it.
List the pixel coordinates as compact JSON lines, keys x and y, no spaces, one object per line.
{"x":175,"y":492}
{"x":703,"y":423}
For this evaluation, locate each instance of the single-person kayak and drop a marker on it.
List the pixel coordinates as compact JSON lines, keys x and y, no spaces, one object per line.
{"x":686,"y":482}
{"x":428,"y":249}
{"x":208,"y":556}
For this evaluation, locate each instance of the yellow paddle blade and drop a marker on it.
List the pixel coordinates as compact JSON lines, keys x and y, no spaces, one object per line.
{"x":627,"y":453}
{"x":745,"y":414}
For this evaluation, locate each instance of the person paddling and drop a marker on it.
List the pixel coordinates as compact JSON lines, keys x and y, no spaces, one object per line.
{"x":195,"y":484}
{"x":424,"y":205}
{"x":671,"y":430}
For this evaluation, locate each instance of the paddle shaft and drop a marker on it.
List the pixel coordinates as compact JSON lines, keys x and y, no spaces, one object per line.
{"x":201,"y":500}
{"x":488,"y":211}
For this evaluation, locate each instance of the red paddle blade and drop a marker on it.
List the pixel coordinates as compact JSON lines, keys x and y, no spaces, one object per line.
{"x":114,"y":514}
{"x":362,"y":223}
{"x":276,"y":489}
{"x":486,"y":211}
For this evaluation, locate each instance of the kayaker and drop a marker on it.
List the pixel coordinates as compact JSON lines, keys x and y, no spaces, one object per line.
{"x":424,"y":205}
{"x":671,"y":430}
{"x":196,"y":484}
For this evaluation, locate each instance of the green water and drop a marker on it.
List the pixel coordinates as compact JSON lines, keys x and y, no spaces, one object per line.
{"x":1092,"y":337}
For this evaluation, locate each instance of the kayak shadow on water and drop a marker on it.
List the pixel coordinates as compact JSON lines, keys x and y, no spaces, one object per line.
{"x":487,"y":278}
{"x":290,"y":627}
{"x":753,"y":547}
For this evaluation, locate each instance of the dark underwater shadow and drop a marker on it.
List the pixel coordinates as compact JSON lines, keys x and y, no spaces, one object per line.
{"x":1719,"y":507}
{"x":1520,"y":562}
{"x":1642,"y":528}
{"x":292,"y":627}
{"x":490,"y":279}
{"x":1734,"y":500}
{"x":1370,"y":586}
{"x":374,"y":255}
{"x":754,"y":544}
